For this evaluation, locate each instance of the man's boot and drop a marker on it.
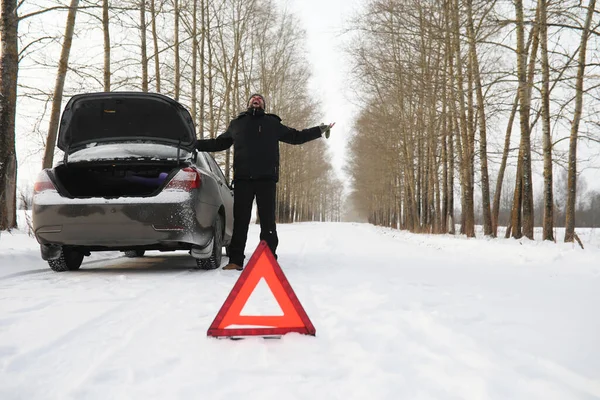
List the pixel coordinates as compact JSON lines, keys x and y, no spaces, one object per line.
{"x":231,"y":266}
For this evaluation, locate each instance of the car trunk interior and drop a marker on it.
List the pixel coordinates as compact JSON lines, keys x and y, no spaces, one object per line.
{"x":112,"y":181}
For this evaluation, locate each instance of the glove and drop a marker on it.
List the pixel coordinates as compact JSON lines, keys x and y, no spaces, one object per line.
{"x":326,"y":129}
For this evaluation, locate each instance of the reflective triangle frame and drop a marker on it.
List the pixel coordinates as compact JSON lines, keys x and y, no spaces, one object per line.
{"x":261,"y":265}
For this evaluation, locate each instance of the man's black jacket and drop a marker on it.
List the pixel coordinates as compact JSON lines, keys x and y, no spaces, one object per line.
{"x":255,"y":137}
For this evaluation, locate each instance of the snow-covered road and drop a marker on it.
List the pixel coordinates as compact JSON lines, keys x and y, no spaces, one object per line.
{"x":398,"y":316}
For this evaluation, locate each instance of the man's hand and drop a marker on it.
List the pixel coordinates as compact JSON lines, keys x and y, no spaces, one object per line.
{"x":326,"y":129}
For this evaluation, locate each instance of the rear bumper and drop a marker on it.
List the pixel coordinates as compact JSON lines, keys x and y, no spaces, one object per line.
{"x":169,"y":220}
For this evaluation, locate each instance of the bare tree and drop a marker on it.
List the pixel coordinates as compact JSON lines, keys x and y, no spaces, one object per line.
{"x":572,"y":183}
{"x":548,"y":222}
{"x":143,"y":45}
{"x":194,"y":85}
{"x":524,"y":109}
{"x":9,"y":64}
{"x":156,"y":56}
{"x":202,"y":80}
{"x":468,"y":225}
{"x":485,"y":186}
{"x":61,"y":75}
{"x":176,"y":44}
{"x":106,"y":31}
{"x":502,"y":169}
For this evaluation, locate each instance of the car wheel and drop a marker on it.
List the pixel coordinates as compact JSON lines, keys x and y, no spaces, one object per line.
{"x":69,"y":260}
{"x":134,"y":253}
{"x":214,"y":261}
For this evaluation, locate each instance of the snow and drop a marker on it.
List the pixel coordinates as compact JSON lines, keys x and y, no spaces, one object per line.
{"x":51,"y":197}
{"x":398,"y":316}
{"x":115,"y":151}
{"x":262,"y":302}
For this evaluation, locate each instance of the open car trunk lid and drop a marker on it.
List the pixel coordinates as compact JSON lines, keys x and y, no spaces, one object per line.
{"x":93,"y":118}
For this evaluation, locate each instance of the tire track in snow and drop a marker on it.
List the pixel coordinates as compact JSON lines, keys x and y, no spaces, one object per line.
{"x":48,"y":271}
{"x":41,"y":271}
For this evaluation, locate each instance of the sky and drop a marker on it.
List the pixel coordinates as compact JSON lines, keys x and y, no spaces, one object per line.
{"x":324,"y":22}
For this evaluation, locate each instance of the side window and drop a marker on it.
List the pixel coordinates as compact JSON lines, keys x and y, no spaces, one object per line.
{"x":214,"y":167}
{"x":201,"y":161}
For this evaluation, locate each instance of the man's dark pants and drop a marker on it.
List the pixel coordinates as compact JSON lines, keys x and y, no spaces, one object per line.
{"x":244,"y":192}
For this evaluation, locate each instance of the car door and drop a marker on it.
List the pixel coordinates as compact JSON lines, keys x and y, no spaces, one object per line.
{"x":226,"y":194}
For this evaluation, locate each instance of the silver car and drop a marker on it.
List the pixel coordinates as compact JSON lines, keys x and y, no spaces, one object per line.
{"x":130,"y":180}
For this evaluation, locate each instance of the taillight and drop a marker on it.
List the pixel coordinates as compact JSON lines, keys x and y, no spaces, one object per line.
{"x":185,"y":180}
{"x":43,"y":183}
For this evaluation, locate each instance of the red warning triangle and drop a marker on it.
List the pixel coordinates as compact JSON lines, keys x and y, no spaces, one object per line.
{"x":262,"y":265}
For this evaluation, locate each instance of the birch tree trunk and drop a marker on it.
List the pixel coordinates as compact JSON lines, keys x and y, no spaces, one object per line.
{"x":155,"y":42}
{"x":451,"y":121}
{"x":59,"y":86}
{"x":194,"y":59}
{"x":202,"y":80}
{"x":502,"y":169}
{"x":451,"y":225}
{"x":516,"y":220}
{"x":548,"y":222}
{"x":210,"y":77}
{"x":176,"y":46}
{"x":106,"y":32}
{"x":524,"y":107}
{"x":485,"y":185}
{"x":143,"y":45}
{"x":445,"y":186}
{"x":9,"y":65}
{"x":572,"y":176}
{"x":468,"y":227}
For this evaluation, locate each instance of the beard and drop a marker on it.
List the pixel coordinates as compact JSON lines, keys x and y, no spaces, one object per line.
{"x":256,"y":110}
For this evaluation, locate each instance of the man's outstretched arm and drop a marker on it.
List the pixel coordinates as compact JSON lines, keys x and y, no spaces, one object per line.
{"x":294,"y":136}
{"x":220,"y":143}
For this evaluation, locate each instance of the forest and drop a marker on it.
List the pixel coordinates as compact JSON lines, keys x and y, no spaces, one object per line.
{"x":476,"y":110}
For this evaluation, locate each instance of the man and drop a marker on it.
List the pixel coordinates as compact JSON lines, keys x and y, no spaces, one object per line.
{"x":255,"y":136}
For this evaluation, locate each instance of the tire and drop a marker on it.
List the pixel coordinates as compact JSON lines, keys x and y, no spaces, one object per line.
{"x":214,"y":261}
{"x":69,"y":260}
{"x":134,"y":253}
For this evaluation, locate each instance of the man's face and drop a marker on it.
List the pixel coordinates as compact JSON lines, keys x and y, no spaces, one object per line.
{"x":257,"y":102}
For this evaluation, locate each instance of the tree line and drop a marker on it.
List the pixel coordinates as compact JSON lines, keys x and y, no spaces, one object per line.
{"x":210,"y":55}
{"x":460,"y":95}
